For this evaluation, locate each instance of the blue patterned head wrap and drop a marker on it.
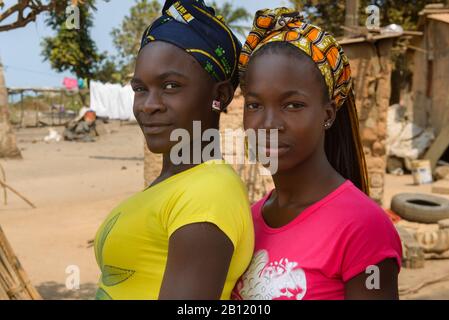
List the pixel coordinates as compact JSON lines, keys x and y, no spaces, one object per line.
{"x":194,"y":27}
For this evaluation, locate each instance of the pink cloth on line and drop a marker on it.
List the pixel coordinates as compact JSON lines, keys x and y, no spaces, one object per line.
{"x":70,"y":83}
{"x":326,"y":245}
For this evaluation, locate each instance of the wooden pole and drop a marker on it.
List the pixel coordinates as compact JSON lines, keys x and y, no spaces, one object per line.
{"x":351,"y":15}
{"x":22,"y":111}
{"x":5,"y":194}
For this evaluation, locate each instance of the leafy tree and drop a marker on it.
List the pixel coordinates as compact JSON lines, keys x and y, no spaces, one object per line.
{"x":73,"y":49}
{"x":328,"y":13}
{"x":127,"y":36}
{"x":404,"y":13}
{"x":234,"y":17}
{"x":109,"y":71}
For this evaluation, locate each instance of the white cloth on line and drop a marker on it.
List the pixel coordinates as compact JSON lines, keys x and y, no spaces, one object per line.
{"x":112,"y":100}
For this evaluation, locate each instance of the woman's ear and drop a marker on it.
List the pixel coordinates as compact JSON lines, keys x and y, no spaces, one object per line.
{"x":224,"y":92}
{"x":330,"y":110}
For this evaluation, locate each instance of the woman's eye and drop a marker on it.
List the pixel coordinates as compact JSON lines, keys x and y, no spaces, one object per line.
{"x":169,"y":86}
{"x":252,"y":106}
{"x":139,"y":89}
{"x":294,"y":106}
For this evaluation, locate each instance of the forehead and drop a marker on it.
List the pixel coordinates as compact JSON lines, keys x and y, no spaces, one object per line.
{"x":283,"y":72}
{"x":158,"y":57}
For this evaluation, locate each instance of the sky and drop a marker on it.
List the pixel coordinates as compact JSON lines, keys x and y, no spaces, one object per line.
{"x":20,"y":49}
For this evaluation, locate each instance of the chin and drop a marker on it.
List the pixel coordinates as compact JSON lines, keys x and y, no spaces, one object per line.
{"x":157,"y":146}
{"x":284,"y":165}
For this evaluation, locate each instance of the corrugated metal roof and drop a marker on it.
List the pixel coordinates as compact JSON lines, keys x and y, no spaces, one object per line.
{"x":443,"y":17}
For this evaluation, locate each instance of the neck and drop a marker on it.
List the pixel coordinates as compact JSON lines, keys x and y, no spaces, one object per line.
{"x":170,"y":169}
{"x":308,"y":182}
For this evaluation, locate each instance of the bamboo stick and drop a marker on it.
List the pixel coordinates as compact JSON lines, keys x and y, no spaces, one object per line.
{"x":5,"y":195}
{"x":2,"y":183}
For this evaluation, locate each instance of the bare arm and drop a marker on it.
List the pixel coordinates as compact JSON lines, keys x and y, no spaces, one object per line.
{"x":198,"y":260}
{"x":356,"y":288}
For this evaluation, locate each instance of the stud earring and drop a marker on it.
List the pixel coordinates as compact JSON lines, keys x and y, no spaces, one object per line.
{"x":216,"y":105}
{"x":327,"y":125}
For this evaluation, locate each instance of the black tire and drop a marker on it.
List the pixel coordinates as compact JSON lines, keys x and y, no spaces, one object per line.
{"x":418,"y":207}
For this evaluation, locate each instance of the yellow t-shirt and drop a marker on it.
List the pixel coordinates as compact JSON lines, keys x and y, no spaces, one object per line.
{"x":131,"y":245}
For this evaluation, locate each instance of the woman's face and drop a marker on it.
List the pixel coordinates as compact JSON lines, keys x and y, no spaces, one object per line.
{"x":171,"y":91}
{"x":286,"y":92}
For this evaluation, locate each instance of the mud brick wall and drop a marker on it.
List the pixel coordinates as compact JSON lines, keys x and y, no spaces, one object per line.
{"x":371,"y":68}
{"x":431,"y":74}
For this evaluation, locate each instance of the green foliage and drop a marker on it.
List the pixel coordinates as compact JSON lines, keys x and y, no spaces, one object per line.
{"x":127,"y":36}
{"x":234,"y":17}
{"x":73,"y":50}
{"x":404,"y":13}
{"x":109,"y":71}
{"x":329,"y":14}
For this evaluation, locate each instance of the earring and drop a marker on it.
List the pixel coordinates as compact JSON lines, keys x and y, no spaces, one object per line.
{"x":327,"y":125}
{"x":216,"y":105}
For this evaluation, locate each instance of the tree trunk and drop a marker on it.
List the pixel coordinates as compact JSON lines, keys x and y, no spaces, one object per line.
{"x":8,"y":145}
{"x":351,"y":15}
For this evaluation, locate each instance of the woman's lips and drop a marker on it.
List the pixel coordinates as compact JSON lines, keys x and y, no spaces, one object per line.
{"x":155,"y":128}
{"x":273,"y":152}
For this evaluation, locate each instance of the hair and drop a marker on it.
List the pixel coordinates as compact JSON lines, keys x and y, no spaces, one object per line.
{"x":340,"y":143}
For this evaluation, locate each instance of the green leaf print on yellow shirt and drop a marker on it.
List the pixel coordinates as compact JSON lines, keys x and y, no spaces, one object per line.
{"x":110,"y":275}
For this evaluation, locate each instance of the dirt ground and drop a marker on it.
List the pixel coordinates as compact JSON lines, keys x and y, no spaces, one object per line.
{"x":75,"y":185}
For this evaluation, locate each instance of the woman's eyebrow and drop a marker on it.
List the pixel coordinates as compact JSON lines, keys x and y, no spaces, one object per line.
{"x":290,"y":93}
{"x":171,"y":73}
{"x":283,"y":95}
{"x":136,"y":81}
{"x":252,"y":94}
{"x":162,"y":76}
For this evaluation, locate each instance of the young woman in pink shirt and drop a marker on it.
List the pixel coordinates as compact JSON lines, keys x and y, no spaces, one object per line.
{"x":318,"y":234}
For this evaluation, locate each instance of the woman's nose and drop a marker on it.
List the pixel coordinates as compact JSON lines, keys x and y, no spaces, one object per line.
{"x":152,"y":104}
{"x":272,"y":120}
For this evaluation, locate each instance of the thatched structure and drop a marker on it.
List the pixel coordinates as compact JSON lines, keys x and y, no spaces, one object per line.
{"x":14,"y":283}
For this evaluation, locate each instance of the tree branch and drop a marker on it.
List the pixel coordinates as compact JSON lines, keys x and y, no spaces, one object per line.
{"x":34,"y":6}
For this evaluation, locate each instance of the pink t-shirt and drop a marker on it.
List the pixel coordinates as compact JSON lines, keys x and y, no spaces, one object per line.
{"x":327,"y":244}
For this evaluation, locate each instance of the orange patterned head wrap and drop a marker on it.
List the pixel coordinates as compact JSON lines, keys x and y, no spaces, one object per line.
{"x":286,"y":25}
